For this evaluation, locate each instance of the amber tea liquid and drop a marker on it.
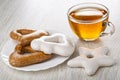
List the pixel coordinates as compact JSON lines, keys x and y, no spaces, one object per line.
{"x":88,"y":23}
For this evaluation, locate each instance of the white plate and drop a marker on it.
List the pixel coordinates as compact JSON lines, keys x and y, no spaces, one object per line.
{"x":9,"y":48}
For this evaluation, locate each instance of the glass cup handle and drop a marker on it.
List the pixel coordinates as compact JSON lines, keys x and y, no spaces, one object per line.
{"x":109,"y":24}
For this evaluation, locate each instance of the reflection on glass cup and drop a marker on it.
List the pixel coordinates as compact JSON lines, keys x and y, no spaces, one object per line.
{"x":89,"y":21}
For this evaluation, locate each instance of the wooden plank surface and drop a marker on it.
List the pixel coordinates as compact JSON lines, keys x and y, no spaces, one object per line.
{"x":51,"y":14}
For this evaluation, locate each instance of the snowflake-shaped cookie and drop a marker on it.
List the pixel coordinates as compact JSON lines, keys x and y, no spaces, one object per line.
{"x":91,"y":59}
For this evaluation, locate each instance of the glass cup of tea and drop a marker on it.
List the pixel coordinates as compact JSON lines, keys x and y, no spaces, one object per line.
{"x":89,"y":21}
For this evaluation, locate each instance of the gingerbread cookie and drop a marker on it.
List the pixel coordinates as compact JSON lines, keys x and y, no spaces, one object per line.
{"x":25,"y":36}
{"x":91,"y":59}
{"x":57,"y":43}
{"x":25,"y":55}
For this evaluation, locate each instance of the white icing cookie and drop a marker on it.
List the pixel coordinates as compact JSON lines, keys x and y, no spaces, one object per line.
{"x":91,"y":59}
{"x":56,"y":43}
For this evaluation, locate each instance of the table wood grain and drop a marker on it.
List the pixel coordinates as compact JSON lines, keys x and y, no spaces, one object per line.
{"x":51,"y":14}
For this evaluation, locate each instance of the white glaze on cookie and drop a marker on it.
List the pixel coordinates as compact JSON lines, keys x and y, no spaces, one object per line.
{"x":57,"y":43}
{"x":91,"y":59}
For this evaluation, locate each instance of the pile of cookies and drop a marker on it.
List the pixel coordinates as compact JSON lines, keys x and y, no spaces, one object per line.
{"x":36,"y":46}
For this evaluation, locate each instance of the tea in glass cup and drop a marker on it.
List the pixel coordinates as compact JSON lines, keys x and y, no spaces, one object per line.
{"x":89,"y":20}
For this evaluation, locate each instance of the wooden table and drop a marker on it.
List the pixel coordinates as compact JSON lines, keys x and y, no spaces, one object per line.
{"x":51,"y":14}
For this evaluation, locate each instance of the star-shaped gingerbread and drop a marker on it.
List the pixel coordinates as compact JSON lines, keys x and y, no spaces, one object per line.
{"x":92,"y":59}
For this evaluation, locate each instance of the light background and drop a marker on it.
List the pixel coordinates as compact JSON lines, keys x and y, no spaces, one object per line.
{"x":52,"y":14}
